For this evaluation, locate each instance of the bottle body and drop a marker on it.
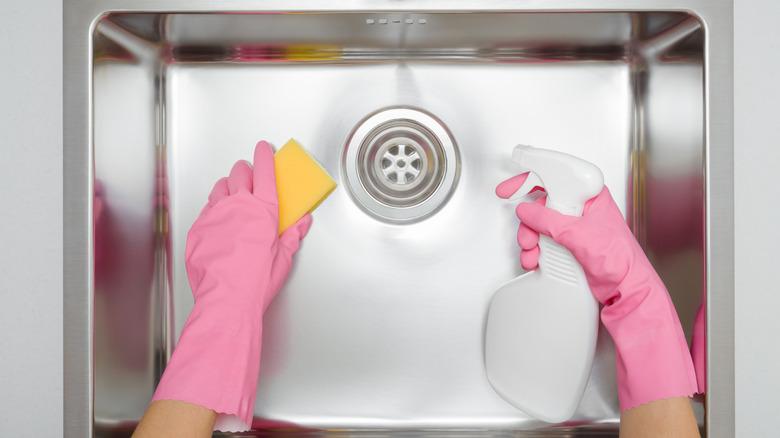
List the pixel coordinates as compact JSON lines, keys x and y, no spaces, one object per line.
{"x":541,"y":336}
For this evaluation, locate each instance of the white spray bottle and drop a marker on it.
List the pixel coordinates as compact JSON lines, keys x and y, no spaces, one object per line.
{"x":542,"y":326}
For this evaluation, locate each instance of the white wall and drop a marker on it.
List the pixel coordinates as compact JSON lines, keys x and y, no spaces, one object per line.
{"x":31,"y":216}
{"x":757,"y":173}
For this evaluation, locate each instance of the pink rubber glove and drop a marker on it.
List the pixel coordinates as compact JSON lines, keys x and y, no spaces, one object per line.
{"x":236,"y":263}
{"x":653,"y":361}
{"x":698,"y":346}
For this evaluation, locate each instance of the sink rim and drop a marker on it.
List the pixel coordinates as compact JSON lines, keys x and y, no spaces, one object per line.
{"x":82,"y":15}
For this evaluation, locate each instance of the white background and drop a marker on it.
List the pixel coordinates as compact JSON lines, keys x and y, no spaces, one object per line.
{"x":757,"y":216}
{"x":31,"y":217}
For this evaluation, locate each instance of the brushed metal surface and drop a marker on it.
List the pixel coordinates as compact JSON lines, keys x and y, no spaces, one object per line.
{"x":380,"y":326}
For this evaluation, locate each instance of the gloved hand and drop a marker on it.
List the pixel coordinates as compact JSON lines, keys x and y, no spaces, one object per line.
{"x":653,"y":361}
{"x":236,"y":263}
{"x":698,"y":345}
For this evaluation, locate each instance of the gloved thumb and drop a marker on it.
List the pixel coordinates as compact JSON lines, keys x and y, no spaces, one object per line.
{"x":289,"y":243}
{"x":542,"y":219}
{"x":292,"y":236}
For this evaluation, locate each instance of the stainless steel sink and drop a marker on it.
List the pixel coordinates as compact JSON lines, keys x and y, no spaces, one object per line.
{"x":380,"y":328}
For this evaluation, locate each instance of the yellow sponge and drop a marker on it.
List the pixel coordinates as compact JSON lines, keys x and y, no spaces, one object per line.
{"x":301,"y":183}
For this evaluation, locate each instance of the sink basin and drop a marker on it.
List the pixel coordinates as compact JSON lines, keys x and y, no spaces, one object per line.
{"x":380,"y":328}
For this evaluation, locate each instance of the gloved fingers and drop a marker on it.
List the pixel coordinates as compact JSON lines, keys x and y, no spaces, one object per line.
{"x":529,"y":258}
{"x":264,"y":176}
{"x":527,"y":238}
{"x":508,"y":187}
{"x":543,"y":219}
{"x":219,"y":191}
{"x":240,"y":178}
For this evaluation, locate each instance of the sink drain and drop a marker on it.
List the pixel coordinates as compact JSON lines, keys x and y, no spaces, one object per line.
{"x":401,"y":164}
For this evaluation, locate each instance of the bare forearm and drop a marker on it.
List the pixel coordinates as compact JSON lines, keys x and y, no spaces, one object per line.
{"x":672,"y":418}
{"x":171,"y":418}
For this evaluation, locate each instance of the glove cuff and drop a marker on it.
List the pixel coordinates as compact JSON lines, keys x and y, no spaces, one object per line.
{"x":653,"y":360}
{"x":216,"y":365}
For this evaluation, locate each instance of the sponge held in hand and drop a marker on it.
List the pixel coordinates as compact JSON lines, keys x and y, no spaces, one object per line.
{"x":301,"y":183}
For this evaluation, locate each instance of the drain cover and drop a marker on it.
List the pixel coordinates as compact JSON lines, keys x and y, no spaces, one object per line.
{"x":401,"y":164}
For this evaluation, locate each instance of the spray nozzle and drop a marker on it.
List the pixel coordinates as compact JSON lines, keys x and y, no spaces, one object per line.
{"x":569,"y":181}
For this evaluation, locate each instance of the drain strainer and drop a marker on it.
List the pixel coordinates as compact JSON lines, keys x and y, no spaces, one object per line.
{"x":401,"y":164}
